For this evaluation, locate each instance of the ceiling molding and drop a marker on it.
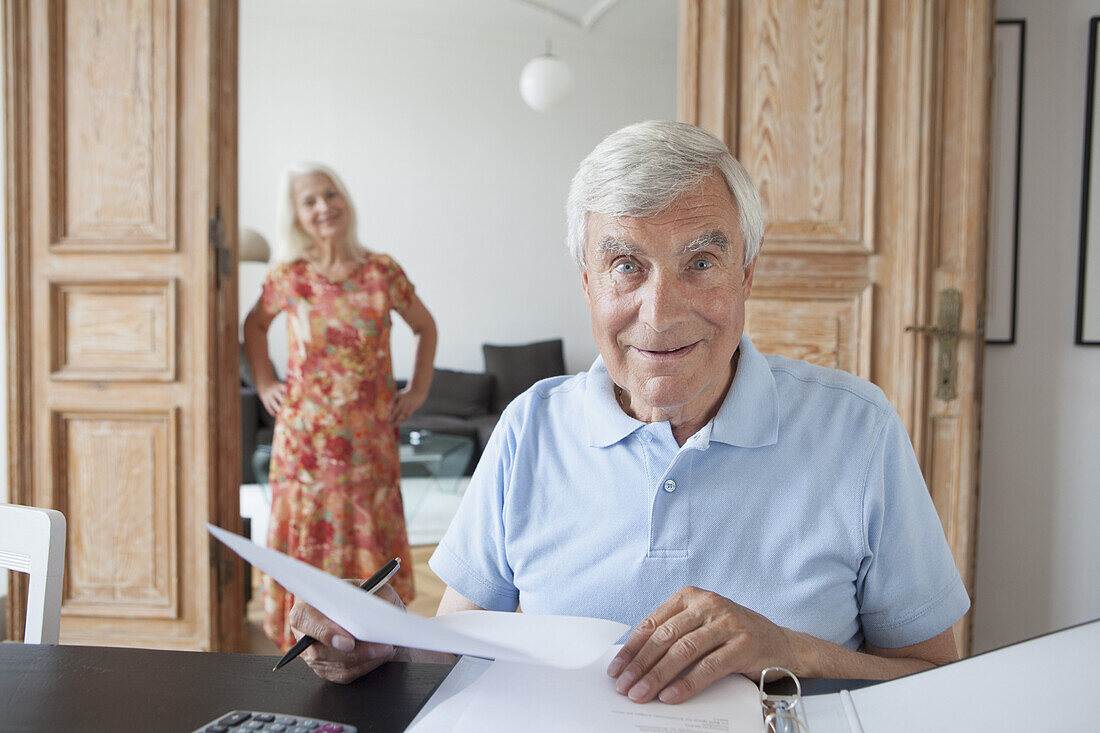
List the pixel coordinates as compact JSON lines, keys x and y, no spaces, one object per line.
{"x":586,"y":22}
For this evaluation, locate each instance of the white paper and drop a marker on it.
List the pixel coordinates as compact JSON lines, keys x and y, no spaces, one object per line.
{"x":1039,"y":684}
{"x":512,"y":696}
{"x":447,"y":703}
{"x":560,"y":641}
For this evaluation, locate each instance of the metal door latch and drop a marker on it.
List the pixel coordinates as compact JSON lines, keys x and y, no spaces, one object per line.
{"x":946,"y":332}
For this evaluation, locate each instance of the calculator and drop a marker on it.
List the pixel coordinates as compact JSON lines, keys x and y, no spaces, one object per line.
{"x":248,"y":721}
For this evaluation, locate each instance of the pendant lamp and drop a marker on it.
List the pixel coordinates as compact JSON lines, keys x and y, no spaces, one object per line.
{"x":545,"y":81}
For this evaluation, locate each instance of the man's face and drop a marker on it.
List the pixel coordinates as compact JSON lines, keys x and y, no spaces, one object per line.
{"x":667,"y":299}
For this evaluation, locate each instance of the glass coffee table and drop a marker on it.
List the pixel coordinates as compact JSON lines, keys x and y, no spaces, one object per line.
{"x":441,"y":457}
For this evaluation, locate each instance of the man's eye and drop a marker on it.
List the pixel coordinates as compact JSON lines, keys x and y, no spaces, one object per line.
{"x":626,"y":267}
{"x":701,"y":263}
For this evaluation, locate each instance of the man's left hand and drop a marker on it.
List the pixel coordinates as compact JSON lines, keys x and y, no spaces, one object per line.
{"x":704,"y":636}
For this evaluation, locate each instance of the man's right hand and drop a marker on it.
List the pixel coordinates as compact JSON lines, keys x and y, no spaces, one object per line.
{"x":337,"y":656}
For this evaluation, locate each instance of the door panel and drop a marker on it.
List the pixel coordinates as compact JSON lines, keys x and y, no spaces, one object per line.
{"x":863,"y":124}
{"x":127,"y":425}
{"x":803,"y":100}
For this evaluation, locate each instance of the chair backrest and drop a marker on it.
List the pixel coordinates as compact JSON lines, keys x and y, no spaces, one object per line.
{"x":32,"y":541}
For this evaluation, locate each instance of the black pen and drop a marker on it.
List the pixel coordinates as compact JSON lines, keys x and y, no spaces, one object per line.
{"x":370,"y":585}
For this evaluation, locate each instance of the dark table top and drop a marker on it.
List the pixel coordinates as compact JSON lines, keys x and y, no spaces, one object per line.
{"x":91,"y":689}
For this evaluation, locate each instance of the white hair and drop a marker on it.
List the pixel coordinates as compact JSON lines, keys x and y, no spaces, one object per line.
{"x":291,"y":243}
{"x":641,"y":169}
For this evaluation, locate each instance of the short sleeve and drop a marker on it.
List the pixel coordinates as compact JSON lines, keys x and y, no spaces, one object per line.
{"x":401,"y":290}
{"x":910,"y":590}
{"x":472,"y":556}
{"x":276,"y":291}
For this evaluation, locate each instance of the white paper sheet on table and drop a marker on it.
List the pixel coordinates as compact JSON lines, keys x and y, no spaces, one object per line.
{"x":508,"y":696}
{"x":559,"y":641}
{"x":446,"y":705}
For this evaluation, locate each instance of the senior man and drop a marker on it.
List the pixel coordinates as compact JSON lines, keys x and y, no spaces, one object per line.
{"x":743,"y":511}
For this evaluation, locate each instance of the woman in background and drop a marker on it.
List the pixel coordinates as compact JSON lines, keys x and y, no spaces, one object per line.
{"x":335,"y":471}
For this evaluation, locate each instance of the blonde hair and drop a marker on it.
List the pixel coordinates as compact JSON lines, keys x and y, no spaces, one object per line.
{"x":291,"y":243}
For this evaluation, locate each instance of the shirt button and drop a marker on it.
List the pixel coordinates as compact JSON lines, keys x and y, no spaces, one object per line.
{"x":670,"y":486}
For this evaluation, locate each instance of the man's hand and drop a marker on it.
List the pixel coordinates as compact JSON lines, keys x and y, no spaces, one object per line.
{"x":337,"y":656}
{"x":706,"y":636}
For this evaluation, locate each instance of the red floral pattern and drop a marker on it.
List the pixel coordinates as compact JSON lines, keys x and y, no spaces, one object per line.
{"x":335,"y":472}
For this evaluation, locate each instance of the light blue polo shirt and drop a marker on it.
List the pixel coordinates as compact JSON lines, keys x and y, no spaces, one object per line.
{"x":801,"y":500}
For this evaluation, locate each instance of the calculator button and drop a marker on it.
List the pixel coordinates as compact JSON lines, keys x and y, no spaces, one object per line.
{"x":264,"y":717}
{"x":215,"y":729}
{"x":300,"y":729}
{"x":234,"y":718}
{"x":276,"y":728}
{"x":332,"y":728}
{"x":285,"y":720}
{"x":252,"y":725}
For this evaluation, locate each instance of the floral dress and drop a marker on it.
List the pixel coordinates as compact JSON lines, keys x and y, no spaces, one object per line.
{"x":335,"y":471}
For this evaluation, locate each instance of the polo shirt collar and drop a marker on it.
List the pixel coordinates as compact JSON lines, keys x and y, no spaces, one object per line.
{"x":749,"y":416}
{"x":607,"y":423}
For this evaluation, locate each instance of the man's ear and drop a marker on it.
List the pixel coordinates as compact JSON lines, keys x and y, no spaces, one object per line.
{"x":584,"y":286}
{"x":746,"y":285}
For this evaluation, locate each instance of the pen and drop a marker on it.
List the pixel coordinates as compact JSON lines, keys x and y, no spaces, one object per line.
{"x":370,"y":585}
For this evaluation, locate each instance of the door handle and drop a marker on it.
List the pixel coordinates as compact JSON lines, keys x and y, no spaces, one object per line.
{"x":946,"y":332}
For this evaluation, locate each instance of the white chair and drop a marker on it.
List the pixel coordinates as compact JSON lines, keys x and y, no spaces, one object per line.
{"x":32,"y":541}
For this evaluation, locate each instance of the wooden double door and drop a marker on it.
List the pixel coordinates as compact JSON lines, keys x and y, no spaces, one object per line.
{"x":864,"y":123}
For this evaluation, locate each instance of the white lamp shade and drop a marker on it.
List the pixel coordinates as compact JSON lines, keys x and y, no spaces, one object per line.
{"x":545,"y":82}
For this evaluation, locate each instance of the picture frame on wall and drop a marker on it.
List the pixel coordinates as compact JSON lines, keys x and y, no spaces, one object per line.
{"x":1087,"y":330}
{"x":1003,"y":255}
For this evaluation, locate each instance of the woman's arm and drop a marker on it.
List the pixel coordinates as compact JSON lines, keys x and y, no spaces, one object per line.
{"x":271,"y":390}
{"x":416,"y":391}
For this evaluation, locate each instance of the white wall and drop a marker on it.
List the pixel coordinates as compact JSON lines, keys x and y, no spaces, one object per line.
{"x":416,"y":104}
{"x":1038,"y":535}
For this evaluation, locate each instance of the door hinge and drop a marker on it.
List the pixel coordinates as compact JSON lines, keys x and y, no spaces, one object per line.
{"x":946,"y":332}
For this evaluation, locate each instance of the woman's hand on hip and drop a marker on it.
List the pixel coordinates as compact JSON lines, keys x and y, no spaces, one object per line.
{"x":272,"y":395}
{"x":405,"y":403}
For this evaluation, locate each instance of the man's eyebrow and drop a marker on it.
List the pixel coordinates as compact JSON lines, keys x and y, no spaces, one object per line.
{"x":616,"y":246}
{"x":716,"y":238}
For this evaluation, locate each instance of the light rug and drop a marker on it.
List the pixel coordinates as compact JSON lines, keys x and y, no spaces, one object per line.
{"x":429,"y":506}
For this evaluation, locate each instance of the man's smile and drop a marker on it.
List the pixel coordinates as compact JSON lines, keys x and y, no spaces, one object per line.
{"x":666,"y":354}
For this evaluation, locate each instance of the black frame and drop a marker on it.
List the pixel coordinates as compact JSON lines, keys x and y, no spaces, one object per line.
{"x":1016,"y":187}
{"x":1082,"y":259}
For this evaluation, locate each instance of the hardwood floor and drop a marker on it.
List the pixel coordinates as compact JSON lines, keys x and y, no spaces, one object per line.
{"x":429,"y":589}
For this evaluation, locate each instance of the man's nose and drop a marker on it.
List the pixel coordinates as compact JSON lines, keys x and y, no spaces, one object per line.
{"x":664,"y":301}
